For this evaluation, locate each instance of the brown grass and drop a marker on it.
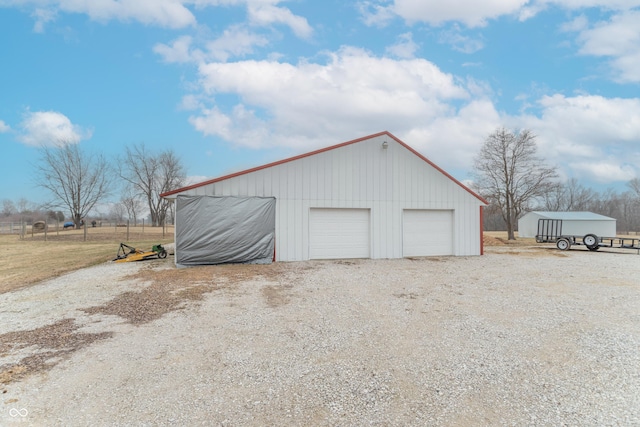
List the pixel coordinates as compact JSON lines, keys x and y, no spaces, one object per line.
{"x":499,"y":238}
{"x":28,"y":261}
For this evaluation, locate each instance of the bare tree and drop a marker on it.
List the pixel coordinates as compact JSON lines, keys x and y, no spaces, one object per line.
{"x":627,"y":217}
{"x":24,"y":206}
{"x":77,"y":180}
{"x":151,"y":175}
{"x":132,"y":203}
{"x":634,"y":185}
{"x":117,"y":213}
{"x":8,"y":207}
{"x":570,"y":196}
{"x":508,"y":172}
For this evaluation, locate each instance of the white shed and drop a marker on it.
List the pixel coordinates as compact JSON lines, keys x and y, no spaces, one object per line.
{"x":573,"y":223}
{"x":373,"y":197}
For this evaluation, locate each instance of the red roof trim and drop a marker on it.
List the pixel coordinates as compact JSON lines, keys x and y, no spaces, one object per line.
{"x":481,"y":230}
{"x":322,"y":150}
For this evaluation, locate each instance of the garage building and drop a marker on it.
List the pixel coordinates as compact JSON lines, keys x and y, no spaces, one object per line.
{"x":570,"y":223}
{"x":373,"y":197}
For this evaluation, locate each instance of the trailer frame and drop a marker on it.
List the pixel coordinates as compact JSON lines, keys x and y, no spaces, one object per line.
{"x":550,"y":231}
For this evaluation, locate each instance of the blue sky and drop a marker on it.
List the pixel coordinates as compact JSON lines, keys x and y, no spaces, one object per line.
{"x":232,"y":84}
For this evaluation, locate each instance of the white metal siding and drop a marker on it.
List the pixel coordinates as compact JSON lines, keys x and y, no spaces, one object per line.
{"x":528,"y":226}
{"x":583,"y":227}
{"x":339,"y":233}
{"x":361,"y":175}
{"x":427,"y":232}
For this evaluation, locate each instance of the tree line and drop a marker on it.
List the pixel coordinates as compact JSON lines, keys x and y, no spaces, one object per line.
{"x":507,"y":172}
{"x":78,"y":181}
{"x":510,"y":175}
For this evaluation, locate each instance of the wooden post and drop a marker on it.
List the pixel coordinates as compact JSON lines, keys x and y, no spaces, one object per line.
{"x":127,"y":230}
{"x":85,"y":231}
{"x":45,"y":230}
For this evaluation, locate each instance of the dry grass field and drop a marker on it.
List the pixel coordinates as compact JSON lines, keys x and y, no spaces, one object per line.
{"x":499,"y":238}
{"x":28,"y":261}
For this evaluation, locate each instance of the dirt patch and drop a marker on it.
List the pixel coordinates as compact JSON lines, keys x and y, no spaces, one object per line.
{"x":151,"y":303}
{"x":492,"y":241}
{"x":536,"y":252}
{"x":277,"y":296}
{"x":54,"y":343}
{"x":171,"y":289}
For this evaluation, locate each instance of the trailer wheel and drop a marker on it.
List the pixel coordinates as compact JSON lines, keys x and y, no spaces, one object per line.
{"x":563,"y":244}
{"x":590,"y":241}
{"x":162,"y":254}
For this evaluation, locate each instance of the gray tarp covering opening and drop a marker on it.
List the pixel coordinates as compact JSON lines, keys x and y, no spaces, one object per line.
{"x":217,"y":230}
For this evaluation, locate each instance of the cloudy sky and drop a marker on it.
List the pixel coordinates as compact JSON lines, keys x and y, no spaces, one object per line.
{"x":231,"y":84}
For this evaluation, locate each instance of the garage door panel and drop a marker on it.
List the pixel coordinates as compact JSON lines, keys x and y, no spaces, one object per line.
{"x":339,"y":233}
{"x":427,"y":232}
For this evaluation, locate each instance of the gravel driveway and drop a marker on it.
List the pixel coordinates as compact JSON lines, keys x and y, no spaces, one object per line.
{"x":520,"y":336}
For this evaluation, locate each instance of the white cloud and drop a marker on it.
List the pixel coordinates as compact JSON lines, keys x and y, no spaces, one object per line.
{"x":308,"y":105}
{"x":4,"y":127}
{"x":196,"y":179}
{"x":235,"y":41}
{"x":585,"y":4}
{"x":263,"y":14}
{"x":472,"y":13}
{"x":579,"y":23}
{"x":190,"y":102}
{"x":460,"y":42}
{"x":42,"y":17}
{"x":50,"y":128}
{"x":164,"y":13}
{"x":178,"y":51}
{"x":605,"y":172}
{"x":405,"y":47}
{"x":376,"y":15}
{"x":454,"y":139}
{"x":618,"y":39}
{"x":593,"y":136}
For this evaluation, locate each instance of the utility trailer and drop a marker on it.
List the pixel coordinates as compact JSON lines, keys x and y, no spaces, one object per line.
{"x":550,"y":231}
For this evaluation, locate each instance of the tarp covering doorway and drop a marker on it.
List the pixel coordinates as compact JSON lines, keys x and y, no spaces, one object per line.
{"x":218,"y":230}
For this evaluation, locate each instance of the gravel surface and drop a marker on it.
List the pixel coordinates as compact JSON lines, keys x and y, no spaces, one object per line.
{"x":518,"y":337}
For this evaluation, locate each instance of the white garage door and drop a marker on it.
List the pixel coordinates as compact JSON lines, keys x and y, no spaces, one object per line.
{"x":339,"y":233}
{"x":427,"y":232}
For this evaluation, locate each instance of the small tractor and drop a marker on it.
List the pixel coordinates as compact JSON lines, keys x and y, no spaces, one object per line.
{"x":128,"y":253}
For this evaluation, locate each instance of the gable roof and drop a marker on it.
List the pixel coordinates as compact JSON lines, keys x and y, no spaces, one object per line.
{"x":322,"y":150}
{"x":577,"y":216}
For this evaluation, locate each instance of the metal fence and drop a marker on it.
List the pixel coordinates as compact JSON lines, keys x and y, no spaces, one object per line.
{"x":99,"y":228}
